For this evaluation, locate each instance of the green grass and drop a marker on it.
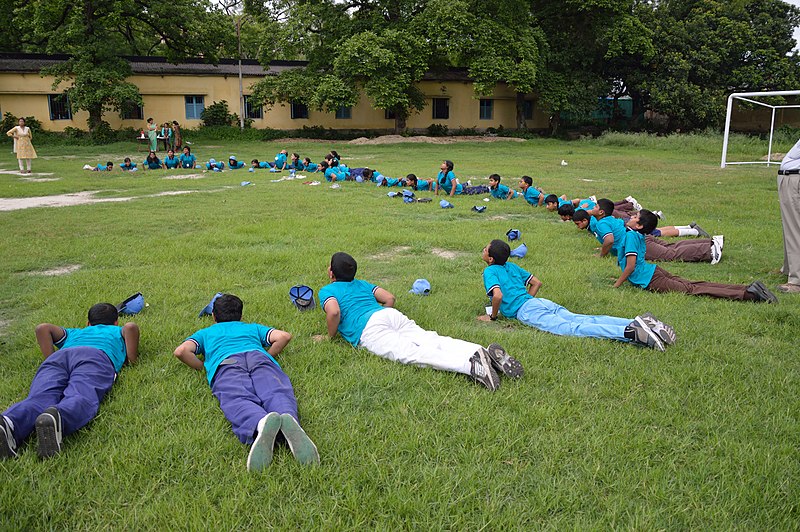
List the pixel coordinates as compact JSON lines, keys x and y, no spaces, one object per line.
{"x":596,"y":435}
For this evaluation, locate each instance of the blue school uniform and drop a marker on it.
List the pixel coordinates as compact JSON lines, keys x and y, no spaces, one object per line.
{"x":424,"y":184}
{"x":280,"y":160}
{"x":102,"y":168}
{"x":512,"y":281}
{"x":262,"y":164}
{"x":218,"y":165}
{"x":585,"y":205}
{"x":635,"y":246}
{"x":446,"y":182}
{"x":235,"y":165}
{"x":614,"y":226}
{"x":154,"y":165}
{"x":187,"y":161}
{"x":171,"y":162}
{"x":130,"y":166}
{"x":106,"y":338}
{"x":532,"y":195}
{"x":393,"y":182}
{"x":221,"y":340}
{"x":357,"y":304}
{"x":310,"y":167}
{"x":563,"y":202}
{"x":501,"y":191}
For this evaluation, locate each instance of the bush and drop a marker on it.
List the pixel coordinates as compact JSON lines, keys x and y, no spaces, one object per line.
{"x":217,"y":114}
{"x":437,"y":130}
{"x":9,"y":121}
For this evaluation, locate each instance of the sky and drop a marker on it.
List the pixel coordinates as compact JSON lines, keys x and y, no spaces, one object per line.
{"x":796,"y":30}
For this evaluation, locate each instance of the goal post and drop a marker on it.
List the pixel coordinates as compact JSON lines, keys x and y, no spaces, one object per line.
{"x":748,"y":97}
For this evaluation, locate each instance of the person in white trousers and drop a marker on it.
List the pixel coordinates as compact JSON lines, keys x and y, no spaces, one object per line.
{"x":789,"y":196}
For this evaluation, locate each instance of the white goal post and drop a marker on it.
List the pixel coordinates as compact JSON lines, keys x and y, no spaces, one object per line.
{"x":746,"y":96}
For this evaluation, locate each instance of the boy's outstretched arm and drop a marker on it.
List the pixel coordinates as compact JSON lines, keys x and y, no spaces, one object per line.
{"x":278,"y":340}
{"x":332,"y":316}
{"x":534,"y":285}
{"x":497,"y":298}
{"x":130,"y":333}
{"x":511,"y":194}
{"x":47,"y":335}
{"x":608,"y":243}
{"x":186,"y":354}
{"x":630,"y":265}
{"x":384,"y":297}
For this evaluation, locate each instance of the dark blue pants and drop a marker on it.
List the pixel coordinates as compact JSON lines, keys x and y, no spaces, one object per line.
{"x":74,"y":380}
{"x":249,"y":386}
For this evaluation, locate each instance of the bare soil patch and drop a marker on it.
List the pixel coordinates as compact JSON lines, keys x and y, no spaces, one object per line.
{"x":776,"y":156}
{"x":27,"y":175}
{"x":187,"y":176}
{"x":390,"y":254}
{"x":80,"y":198}
{"x":61,"y":270}
{"x":396,"y":139}
{"x":447,"y":253}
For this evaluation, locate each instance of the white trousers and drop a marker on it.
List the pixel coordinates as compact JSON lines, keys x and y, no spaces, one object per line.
{"x":391,"y":334}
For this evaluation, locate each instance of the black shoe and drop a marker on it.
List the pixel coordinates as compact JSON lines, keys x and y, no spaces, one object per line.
{"x":481,"y":370}
{"x":503,"y":362}
{"x":700,"y":231}
{"x":48,"y":432}
{"x":644,"y":335}
{"x":761,"y":292}
{"x":8,"y":445}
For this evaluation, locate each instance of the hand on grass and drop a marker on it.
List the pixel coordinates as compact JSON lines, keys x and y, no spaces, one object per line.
{"x":484,"y":317}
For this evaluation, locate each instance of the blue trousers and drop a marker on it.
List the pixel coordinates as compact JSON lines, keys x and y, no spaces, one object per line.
{"x":553,"y":318}
{"x":74,"y":380}
{"x":249,"y":386}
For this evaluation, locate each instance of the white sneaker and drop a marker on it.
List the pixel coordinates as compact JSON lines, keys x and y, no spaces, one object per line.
{"x":660,"y":215}
{"x":636,"y":204}
{"x":719,"y":239}
{"x":716,"y":251}
{"x":260,"y":454}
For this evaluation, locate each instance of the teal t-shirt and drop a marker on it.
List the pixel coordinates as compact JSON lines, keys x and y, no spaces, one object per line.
{"x":614,"y":226}
{"x":187,"y":161}
{"x":532,"y":196}
{"x":512,"y":281}
{"x":221,"y":340}
{"x":446,"y":182}
{"x":585,"y":205}
{"x":635,"y":245}
{"x":235,"y":165}
{"x":501,"y":192}
{"x":563,"y":202}
{"x":171,"y":162}
{"x":106,"y":338}
{"x":357,"y":304}
{"x":424,"y":184}
{"x":280,"y":160}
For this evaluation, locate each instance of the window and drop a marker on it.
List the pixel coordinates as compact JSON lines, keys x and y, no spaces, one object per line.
{"x":528,"y":109}
{"x":441,"y":108}
{"x":132,"y":111}
{"x":194,"y":107}
{"x":59,"y":107}
{"x":487,"y":106}
{"x":389,"y":115}
{"x":344,"y":113}
{"x":299,"y":110}
{"x":251,"y":108}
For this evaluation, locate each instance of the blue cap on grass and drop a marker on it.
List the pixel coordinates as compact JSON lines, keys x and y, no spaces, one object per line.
{"x":132,"y":305}
{"x":408,"y":199}
{"x":513,"y":234}
{"x":444,"y":204}
{"x":421,"y":287}
{"x":392,"y":194}
{"x":407,"y":194}
{"x":302,"y":297}
{"x":359,"y":179}
{"x":520,"y":251}
{"x":245,"y":183}
{"x":208,"y":309}
{"x":251,"y":169}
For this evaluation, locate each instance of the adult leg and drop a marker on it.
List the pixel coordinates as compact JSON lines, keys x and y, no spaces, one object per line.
{"x":21,"y":163}
{"x":390,"y":334}
{"x":233,"y":387}
{"x":663,"y":281}
{"x":789,"y":196}
{"x":91,"y":375}
{"x":28,"y":163}
{"x":698,"y":250}
{"x":271,"y":384}
{"x":555,"y":319}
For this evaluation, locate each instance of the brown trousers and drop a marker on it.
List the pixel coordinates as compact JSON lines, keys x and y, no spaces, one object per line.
{"x":663,"y":281}
{"x":623,"y":209}
{"x":695,"y":250}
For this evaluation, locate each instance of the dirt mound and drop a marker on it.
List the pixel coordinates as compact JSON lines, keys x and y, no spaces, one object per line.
{"x":397,"y":139}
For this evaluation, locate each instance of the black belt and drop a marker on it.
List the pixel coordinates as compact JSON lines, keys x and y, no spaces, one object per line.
{"x":789,"y":172}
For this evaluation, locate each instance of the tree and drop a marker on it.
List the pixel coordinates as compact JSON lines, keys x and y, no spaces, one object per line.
{"x":96,"y":33}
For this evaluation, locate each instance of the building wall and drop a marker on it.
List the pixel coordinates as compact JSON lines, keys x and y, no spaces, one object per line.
{"x":163,"y":96}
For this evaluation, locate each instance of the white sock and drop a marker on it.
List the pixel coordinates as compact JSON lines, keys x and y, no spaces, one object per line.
{"x":10,"y":423}
{"x":685,"y":230}
{"x":21,"y":165}
{"x":29,"y":164}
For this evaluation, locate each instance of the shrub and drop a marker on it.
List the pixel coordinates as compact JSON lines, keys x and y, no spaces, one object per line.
{"x":9,"y":121}
{"x":217,"y":114}
{"x":437,"y":130}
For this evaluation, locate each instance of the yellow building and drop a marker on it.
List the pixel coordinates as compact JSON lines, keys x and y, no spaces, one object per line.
{"x":180,"y":92}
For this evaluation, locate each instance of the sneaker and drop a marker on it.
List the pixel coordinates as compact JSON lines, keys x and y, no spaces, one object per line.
{"x":260,"y":454}
{"x":660,"y":215}
{"x":48,"y":432}
{"x":763,"y":295}
{"x":716,"y":251}
{"x":644,"y":335}
{"x":636,"y":204}
{"x":700,"y":231}
{"x":719,"y":239}
{"x":481,"y":370}
{"x":593,"y":198}
{"x":664,"y":331}
{"x":503,"y":362}
{"x":300,"y":444}
{"x":789,"y":288}
{"x":8,"y":445}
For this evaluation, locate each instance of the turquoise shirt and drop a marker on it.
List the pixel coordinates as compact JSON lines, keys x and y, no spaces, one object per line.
{"x":393,"y":182}
{"x":187,"y":161}
{"x":424,"y":184}
{"x":357,"y":304}
{"x":512,"y":281}
{"x":613,"y":226}
{"x":280,"y":160}
{"x":129,"y":166}
{"x":563,"y":202}
{"x":219,"y":165}
{"x":635,"y":246}
{"x":106,"y":338}
{"x":532,"y":196}
{"x":154,"y":165}
{"x":311,"y":167}
{"x":501,"y":192}
{"x":446,"y":182}
{"x":235,"y":165}
{"x":171,"y":162}
{"x":585,"y":205}
{"x":222,"y":340}
{"x":262,"y":164}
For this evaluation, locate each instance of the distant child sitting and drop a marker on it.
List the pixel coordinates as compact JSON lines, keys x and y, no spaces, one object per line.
{"x":171,"y":162}
{"x":308,"y":166}
{"x":637,"y":271}
{"x":500,"y":191}
{"x":234,"y":164}
{"x":295,"y":163}
{"x":420,"y":184}
{"x":281,"y":162}
{"x":188,"y":160}
{"x":215,"y":166}
{"x":362,"y":313}
{"x":152,"y":162}
{"x":256,"y":164}
{"x":254,"y":393}
{"x":67,"y":389}
{"x":334,"y":173}
{"x":532,"y":195}
{"x":513,"y":294}
{"x":127,"y":165}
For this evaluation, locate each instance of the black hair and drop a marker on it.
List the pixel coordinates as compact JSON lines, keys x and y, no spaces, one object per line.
{"x":154,"y":158}
{"x":528,"y":180}
{"x":412,"y":180}
{"x":255,"y":161}
{"x":228,"y":307}
{"x":495,"y":177}
{"x":109,"y":163}
{"x":606,"y":205}
{"x":334,"y":162}
{"x":343,"y":266}
{"x":648,"y":221}
{"x":449,"y":165}
{"x":551,"y":198}
{"x":367,"y":173}
{"x":187,"y":148}
{"x":150,"y":119}
{"x":103,"y":314}
{"x":127,"y":160}
{"x":567,"y":210}
{"x":580,"y":215}
{"x":174,"y":122}
{"x":295,"y":156}
{"x":329,"y":157}
{"x":499,"y":251}
{"x":335,"y":155}
{"x":323,"y":165}
{"x":307,"y":160}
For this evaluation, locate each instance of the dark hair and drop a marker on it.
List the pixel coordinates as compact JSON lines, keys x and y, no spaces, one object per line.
{"x":127,"y":160}
{"x":499,"y":251}
{"x":228,"y":307}
{"x":343,"y":266}
{"x":307,"y":160}
{"x":606,"y":205}
{"x":494,"y":177}
{"x":334,"y":162}
{"x":103,"y":314}
{"x":109,"y":163}
{"x":295,"y":156}
{"x":367,"y":173}
{"x":329,"y":157}
{"x":187,"y":148}
{"x":648,"y":221}
{"x":566,"y":210}
{"x":551,"y":198}
{"x":449,"y":165}
{"x":323,"y":165}
{"x":254,"y":161}
{"x":335,"y":155}
{"x":412,"y":180}
{"x":154,"y":158}
{"x":528,"y":180}
{"x":150,"y":119}
{"x":174,"y":122}
{"x":580,"y":215}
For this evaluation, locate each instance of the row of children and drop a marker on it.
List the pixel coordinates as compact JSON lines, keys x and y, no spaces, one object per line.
{"x":151,"y":162}
{"x":67,"y":389}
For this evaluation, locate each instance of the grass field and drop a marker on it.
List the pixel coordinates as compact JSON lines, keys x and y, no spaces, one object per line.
{"x":596,"y":435}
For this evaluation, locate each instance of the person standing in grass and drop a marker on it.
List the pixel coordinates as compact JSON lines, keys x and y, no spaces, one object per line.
{"x":22,"y":145}
{"x":363,"y":314}
{"x":639,"y":272}
{"x":152,"y":134}
{"x":513,"y":293}
{"x":80,"y":367}
{"x":176,"y":131}
{"x":789,"y":197}
{"x":254,"y":393}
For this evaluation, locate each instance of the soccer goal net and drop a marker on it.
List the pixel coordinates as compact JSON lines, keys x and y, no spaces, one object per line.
{"x":753,"y":98}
